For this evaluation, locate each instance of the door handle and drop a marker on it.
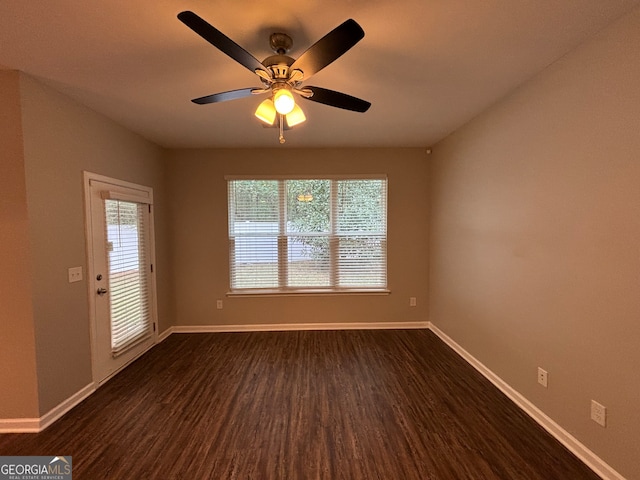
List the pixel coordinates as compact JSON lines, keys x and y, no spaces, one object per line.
{"x":102,"y":291}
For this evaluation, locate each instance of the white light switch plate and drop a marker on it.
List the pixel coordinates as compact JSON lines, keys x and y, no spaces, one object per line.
{"x":75,"y":274}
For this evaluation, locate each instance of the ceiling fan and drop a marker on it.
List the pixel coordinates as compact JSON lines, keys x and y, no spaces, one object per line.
{"x":281,"y":75}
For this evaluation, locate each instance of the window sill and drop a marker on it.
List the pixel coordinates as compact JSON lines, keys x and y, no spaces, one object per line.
{"x":307,"y":292}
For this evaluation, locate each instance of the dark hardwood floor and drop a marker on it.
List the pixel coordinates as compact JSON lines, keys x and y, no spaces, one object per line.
{"x":370,"y":404}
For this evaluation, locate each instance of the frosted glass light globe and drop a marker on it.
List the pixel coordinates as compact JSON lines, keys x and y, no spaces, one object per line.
{"x":284,"y":102}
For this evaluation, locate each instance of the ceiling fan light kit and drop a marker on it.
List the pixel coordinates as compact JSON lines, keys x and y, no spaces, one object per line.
{"x":281,"y":75}
{"x":296,"y":116}
{"x":266,"y":112}
{"x":283,"y":100}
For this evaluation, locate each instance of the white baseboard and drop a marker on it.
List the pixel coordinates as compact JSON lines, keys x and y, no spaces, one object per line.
{"x":589,"y":458}
{"x":164,"y":335}
{"x":57,"y":412}
{"x":277,"y":327}
{"x":35,"y":425}
{"x":19,"y":425}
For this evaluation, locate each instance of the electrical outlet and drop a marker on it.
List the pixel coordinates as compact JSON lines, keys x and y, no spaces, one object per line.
{"x":219,"y":304}
{"x":75,"y":274}
{"x":412,"y":301}
{"x":543,"y":377}
{"x":598,"y":413}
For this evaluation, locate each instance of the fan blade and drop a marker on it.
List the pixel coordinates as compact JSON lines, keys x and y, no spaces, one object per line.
{"x":337,"y":99}
{"x":219,"y":40}
{"x":224,"y":96}
{"x":328,"y":48}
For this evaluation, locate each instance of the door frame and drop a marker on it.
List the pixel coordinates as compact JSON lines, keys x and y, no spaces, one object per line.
{"x":87,"y":178}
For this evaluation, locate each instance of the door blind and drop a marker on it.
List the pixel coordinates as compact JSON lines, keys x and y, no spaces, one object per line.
{"x":128,"y":274}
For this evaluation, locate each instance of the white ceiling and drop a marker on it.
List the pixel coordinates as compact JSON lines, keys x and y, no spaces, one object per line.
{"x":427,"y":66}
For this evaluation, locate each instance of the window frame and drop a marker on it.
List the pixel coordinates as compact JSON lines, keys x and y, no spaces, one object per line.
{"x":284,"y":290}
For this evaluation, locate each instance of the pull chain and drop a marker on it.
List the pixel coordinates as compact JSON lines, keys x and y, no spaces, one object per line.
{"x":282,"y":140}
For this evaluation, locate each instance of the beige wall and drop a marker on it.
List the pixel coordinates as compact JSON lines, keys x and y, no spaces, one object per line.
{"x":530,"y":253}
{"x":61,"y":139}
{"x":18,"y":380}
{"x":535,"y":240}
{"x":200,"y":236}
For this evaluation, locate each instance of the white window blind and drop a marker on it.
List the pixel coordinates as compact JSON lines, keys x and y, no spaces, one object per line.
{"x":308,"y":234}
{"x":128,"y":274}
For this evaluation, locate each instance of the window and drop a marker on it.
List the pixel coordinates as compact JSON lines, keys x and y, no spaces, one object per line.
{"x":312,"y":234}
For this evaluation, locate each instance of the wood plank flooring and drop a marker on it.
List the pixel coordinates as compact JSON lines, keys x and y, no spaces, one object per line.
{"x":370,"y":404}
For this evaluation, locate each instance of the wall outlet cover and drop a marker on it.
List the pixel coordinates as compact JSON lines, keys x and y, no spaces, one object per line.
{"x":543,"y":377}
{"x":598,"y":413}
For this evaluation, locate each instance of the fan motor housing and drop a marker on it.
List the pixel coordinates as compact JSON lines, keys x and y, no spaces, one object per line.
{"x":279,"y":65}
